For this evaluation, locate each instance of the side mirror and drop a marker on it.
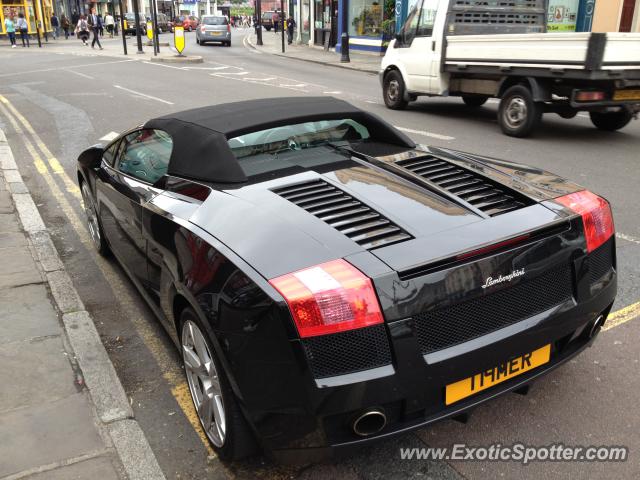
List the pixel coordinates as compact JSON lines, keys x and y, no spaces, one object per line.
{"x":91,"y":157}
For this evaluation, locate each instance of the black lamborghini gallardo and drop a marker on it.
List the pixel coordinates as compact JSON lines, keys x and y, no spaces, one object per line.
{"x":330,"y":283}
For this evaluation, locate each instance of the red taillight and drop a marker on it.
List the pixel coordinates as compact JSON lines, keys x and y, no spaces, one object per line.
{"x":202,"y":29}
{"x":329,"y":298}
{"x":229,"y":27}
{"x":589,"y":96}
{"x":596,"y":216}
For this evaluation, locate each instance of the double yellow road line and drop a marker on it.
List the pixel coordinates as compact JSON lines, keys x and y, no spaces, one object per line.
{"x":60,"y":184}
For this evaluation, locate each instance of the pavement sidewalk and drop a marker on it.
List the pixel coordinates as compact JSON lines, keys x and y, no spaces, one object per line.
{"x":63,"y":411}
{"x":272,"y":43}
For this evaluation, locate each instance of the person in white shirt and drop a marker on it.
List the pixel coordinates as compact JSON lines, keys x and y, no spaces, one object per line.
{"x":109,"y":23}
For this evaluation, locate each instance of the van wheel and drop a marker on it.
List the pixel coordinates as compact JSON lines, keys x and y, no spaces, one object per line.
{"x":393,"y":91}
{"x":611,"y":121}
{"x":518,"y":114}
{"x":474,"y":100}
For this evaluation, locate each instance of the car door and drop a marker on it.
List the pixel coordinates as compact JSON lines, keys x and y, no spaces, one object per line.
{"x":142,"y":159}
{"x":418,"y":44}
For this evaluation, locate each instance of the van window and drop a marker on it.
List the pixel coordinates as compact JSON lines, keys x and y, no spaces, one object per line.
{"x":427,"y":18}
{"x":410,"y":26}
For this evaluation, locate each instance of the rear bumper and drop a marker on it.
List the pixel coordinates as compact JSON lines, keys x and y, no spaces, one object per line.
{"x":411,"y":393}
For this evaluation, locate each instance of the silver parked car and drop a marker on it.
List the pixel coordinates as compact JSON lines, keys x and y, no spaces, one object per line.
{"x":214,"y":28}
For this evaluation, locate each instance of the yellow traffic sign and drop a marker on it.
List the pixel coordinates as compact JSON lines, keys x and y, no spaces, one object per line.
{"x":178,"y":39}
{"x":150,"y":30}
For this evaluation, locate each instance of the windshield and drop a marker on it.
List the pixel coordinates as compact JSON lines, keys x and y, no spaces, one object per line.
{"x":214,"y":20}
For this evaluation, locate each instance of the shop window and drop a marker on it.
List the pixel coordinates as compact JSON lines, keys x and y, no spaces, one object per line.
{"x":366,"y":18}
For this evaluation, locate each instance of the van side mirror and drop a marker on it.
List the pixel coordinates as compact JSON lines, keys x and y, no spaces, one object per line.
{"x":92,"y":156}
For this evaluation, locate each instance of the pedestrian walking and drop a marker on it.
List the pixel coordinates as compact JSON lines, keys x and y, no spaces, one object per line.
{"x":10,"y":28}
{"x":23,"y":28}
{"x":95,"y":21}
{"x":276,"y":19}
{"x":82,"y":30}
{"x":291,"y":24}
{"x":74,"y":19}
{"x":109,"y":22}
{"x":55,"y":26}
{"x":64,"y":22}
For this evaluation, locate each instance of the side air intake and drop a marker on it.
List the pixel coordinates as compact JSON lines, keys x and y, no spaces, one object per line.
{"x":346,"y":214}
{"x":480,"y":192}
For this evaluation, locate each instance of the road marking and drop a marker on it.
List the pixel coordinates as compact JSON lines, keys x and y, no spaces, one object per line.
{"x":371,"y":101}
{"x":628,"y":238}
{"x":81,"y":74}
{"x":621,"y":316}
{"x":172,"y":374}
{"x":426,"y":134}
{"x":268,"y":79}
{"x":293,"y":85}
{"x":150,"y":97}
{"x":54,"y":69}
{"x":333,"y":92}
{"x":163,"y":65}
{"x":229,"y":73}
{"x":108,"y":137}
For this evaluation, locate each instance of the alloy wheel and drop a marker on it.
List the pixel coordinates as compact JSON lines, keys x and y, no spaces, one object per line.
{"x":204,"y":383}
{"x":393,"y":90}
{"x":92,"y":217}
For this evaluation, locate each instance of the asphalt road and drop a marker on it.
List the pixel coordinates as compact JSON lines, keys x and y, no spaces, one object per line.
{"x":57,"y":101}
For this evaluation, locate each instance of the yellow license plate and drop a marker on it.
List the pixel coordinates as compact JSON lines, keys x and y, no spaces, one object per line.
{"x":626,"y":95}
{"x":509,"y":369}
{"x":216,"y":33}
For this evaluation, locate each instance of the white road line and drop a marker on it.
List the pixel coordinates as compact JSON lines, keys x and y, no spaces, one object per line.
{"x":426,"y":134}
{"x":209,"y":68}
{"x":108,"y":137}
{"x":63,"y":68}
{"x":297,"y":85}
{"x":628,"y":238}
{"x":228,"y":73}
{"x":150,"y":97}
{"x":371,"y":101}
{"x":259,"y":79}
{"x":332,"y":92}
{"x":82,"y":74}
{"x":163,"y":65}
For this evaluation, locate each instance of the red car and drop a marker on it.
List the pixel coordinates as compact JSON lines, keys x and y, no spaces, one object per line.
{"x":189,"y":22}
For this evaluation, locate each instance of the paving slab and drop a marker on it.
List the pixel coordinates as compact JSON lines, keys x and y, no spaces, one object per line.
{"x":26,"y":312}
{"x":98,"y":468}
{"x":9,"y":223}
{"x":18,"y":267}
{"x":12,"y":239}
{"x":34,"y":372}
{"x":47,"y":433}
{"x":6,"y":205}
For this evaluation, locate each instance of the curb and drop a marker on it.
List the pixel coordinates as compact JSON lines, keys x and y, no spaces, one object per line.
{"x":309,"y":60}
{"x":177,"y":59}
{"x":104,"y":386}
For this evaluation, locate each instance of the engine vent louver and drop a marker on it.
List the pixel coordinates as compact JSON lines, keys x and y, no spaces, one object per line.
{"x":346,"y":214}
{"x":480,"y":192}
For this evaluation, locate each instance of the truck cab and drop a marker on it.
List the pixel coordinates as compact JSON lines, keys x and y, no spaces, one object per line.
{"x":480,"y":50}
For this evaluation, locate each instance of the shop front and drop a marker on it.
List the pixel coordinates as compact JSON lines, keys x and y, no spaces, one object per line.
{"x":32,"y":11}
{"x":370,"y":22}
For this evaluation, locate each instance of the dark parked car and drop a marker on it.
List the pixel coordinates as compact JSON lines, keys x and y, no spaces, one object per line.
{"x":269,"y":19}
{"x":214,"y":28}
{"x":329,"y":283}
{"x":130,"y":27}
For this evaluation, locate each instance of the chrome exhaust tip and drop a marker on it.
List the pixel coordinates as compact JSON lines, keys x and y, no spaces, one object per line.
{"x":597,"y":325}
{"x":369,"y":422}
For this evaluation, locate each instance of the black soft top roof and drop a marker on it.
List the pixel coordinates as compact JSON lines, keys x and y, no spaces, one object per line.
{"x":200,"y":147}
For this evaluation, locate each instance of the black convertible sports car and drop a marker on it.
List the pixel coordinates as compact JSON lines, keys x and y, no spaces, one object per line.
{"x":330,"y":283}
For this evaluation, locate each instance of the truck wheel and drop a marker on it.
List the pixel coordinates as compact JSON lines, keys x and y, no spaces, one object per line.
{"x":518,"y":114}
{"x":611,"y":121}
{"x":474,"y":100}
{"x":393,"y":91}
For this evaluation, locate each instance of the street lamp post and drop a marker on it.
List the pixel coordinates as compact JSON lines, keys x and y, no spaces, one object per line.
{"x":136,"y":7}
{"x":282,"y":21}
{"x":124,"y":36}
{"x":344,"y":49}
{"x":259,"y":22}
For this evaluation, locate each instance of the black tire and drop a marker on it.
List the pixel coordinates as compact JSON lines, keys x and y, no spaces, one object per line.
{"x":474,"y":100}
{"x":239,"y":441}
{"x":268,"y":29}
{"x":518,"y":114}
{"x":95,"y":227}
{"x":228,"y":44}
{"x":198,"y":41}
{"x":611,"y":121}
{"x":393,"y":91}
